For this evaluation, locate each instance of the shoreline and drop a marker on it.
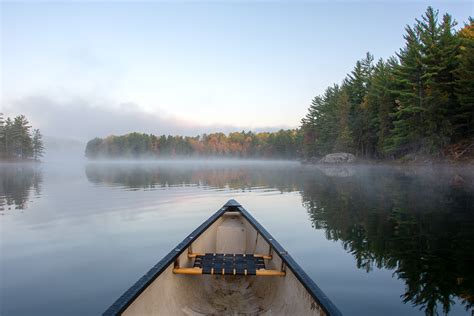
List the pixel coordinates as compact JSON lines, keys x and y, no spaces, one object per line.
{"x":417,"y":161}
{"x":422,"y":161}
{"x":2,"y":160}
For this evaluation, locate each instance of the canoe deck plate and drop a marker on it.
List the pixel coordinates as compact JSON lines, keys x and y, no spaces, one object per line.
{"x":229,"y":264}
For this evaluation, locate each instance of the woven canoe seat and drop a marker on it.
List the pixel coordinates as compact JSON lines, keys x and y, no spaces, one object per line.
{"x":229,"y":264}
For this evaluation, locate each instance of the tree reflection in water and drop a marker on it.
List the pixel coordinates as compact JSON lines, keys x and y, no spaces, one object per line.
{"x":417,"y":222}
{"x":17,"y":183}
{"x":235,"y":176}
{"x":421,"y":225}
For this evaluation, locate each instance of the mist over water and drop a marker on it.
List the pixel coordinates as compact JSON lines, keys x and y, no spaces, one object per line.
{"x":378,"y":240}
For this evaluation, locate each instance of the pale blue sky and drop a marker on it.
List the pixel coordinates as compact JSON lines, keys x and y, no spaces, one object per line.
{"x":190,"y":67}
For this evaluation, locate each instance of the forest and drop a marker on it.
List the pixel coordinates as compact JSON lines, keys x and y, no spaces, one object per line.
{"x":284,"y":143}
{"x":419,"y":101}
{"x":18,"y":141}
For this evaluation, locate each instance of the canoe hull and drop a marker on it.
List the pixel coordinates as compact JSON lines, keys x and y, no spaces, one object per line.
{"x":231,"y":230}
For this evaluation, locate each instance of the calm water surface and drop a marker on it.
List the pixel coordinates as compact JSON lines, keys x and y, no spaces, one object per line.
{"x":377,"y":240}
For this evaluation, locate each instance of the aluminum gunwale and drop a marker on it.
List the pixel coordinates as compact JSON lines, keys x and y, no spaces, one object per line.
{"x":121,"y":304}
{"x":317,"y":294}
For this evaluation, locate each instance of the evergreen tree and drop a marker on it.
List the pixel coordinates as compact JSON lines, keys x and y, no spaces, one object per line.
{"x":416,"y":102}
{"x":408,"y":115}
{"x":16,"y":141}
{"x":8,"y":137}
{"x":358,"y":84}
{"x":308,"y":126}
{"x":463,"y":116}
{"x":344,"y":141}
{"x":379,"y":103}
{"x":2,"y":135}
{"x":325,"y":121}
{"x":21,"y":138}
{"x":37,"y":144}
{"x":425,"y":86}
{"x":439,"y":49}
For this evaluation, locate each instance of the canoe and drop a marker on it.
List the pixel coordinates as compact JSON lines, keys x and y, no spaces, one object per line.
{"x":228,"y":265}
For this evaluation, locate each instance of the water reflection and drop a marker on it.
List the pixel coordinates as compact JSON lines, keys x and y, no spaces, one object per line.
{"x":235,"y":176}
{"x":416,"y":222}
{"x":419,"y":223}
{"x":337,"y":170}
{"x":17,"y":183}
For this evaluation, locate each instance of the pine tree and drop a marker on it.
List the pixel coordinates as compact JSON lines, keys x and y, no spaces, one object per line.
{"x":379,"y":103}
{"x":320,"y":126}
{"x":8,"y":139}
{"x":16,"y":141}
{"x":327,"y":125}
{"x":309,"y":127}
{"x":410,"y":88}
{"x":357,"y":84}
{"x":21,"y":138}
{"x":463,"y":116}
{"x":416,"y":102}
{"x":2,"y":136}
{"x":426,"y":95}
{"x":439,"y":48}
{"x":37,"y":144}
{"x":344,"y":141}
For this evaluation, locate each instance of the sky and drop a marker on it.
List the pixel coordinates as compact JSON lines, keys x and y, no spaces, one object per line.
{"x":84,"y":69}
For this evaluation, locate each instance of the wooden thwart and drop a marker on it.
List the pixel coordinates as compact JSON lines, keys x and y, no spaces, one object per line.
{"x":197,"y":271}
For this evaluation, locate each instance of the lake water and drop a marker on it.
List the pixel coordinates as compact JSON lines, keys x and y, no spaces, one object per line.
{"x":377,"y":240}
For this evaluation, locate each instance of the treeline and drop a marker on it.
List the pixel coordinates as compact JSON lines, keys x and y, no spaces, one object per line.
{"x":17,"y":141}
{"x":418,"y":101}
{"x":281,"y":144}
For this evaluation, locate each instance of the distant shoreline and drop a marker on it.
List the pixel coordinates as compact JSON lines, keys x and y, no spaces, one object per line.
{"x":424,"y":161}
{"x":189,"y":159}
{"x":398,"y":162}
{"x":213,"y":159}
{"x":19,"y":160}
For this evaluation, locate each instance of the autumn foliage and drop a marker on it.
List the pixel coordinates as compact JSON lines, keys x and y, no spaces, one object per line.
{"x":281,"y":144}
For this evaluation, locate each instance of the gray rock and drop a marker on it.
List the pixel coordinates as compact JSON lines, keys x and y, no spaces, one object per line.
{"x":338,"y":158}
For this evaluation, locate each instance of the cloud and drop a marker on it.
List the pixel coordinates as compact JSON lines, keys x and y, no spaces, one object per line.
{"x":83,"y":119}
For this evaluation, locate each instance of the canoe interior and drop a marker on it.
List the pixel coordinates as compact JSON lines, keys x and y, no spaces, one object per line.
{"x":231,"y":233}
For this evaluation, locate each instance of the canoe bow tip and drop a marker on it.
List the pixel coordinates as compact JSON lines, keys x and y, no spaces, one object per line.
{"x":232,"y":202}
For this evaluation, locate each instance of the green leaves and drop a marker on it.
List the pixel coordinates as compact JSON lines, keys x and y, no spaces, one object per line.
{"x":16,"y":141}
{"x":37,"y":144}
{"x":418,"y":101}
